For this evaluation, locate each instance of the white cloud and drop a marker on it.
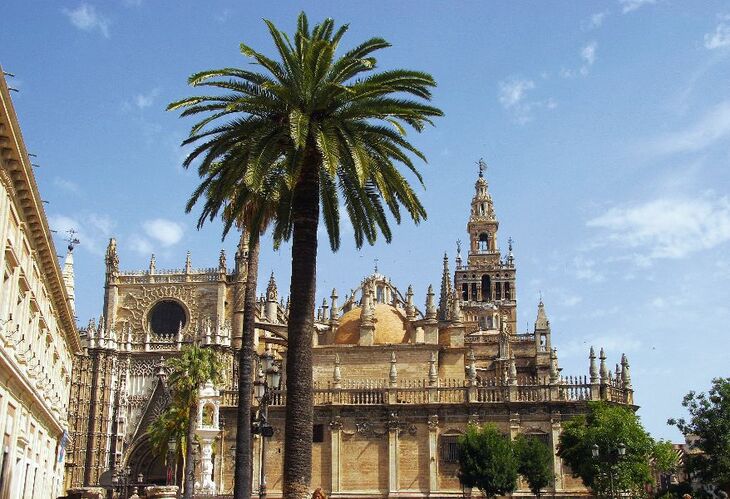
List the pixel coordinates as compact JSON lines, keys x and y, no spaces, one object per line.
{"x":588,"y":56}
{"x":146,"y":100}
{"x":66,"y":185}
{"x":513,"y":97}
{"x":86,"y":18}
{"x":632,"y":5}
{"x":585,"y":270}
{"x":595,"y":21}
{"x":166,"y":232}
{"x":720,"y":38}
{"x":140,"y":244}
{"x":665,"y":227}
{"x":711,"y":127}
{"x":513,"y":91}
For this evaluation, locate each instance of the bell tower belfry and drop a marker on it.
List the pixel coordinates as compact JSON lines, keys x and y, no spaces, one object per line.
{"x":486,"y":284}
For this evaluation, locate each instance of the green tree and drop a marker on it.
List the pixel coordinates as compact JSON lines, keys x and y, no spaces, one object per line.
{"x":194,"y":367}
{"x":608,"y":427}
{"x":334,"y":131}
{"x":535,"y":462}
{"x":226,"y":192}
{"x":487,"y":460}
{"x":709,"y":420}
{"x":171,"y":424}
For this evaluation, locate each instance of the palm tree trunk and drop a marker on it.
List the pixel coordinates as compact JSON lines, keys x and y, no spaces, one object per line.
{"x":189,"y":484}
{"x":298,"y":427}
{"x":244,"y":461}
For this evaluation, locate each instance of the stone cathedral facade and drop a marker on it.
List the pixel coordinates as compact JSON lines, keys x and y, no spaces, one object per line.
{"x":396,"y":381}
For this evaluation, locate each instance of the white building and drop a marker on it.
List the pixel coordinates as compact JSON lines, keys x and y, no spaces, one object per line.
{"x":38,"y":335}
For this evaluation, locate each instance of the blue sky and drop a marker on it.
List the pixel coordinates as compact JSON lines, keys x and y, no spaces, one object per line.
{"x":605,"y":125}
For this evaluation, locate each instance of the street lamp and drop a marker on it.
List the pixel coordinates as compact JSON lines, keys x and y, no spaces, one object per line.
{"x":171,"y":461}
{"x":614,"y":456}
{"x":267,"y":380}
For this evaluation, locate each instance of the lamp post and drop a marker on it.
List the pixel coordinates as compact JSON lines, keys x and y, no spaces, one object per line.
{"x":268,"y":379}
{"x":172,"y":461}
{"x":120,"y":481}
{"x":614,"y":456}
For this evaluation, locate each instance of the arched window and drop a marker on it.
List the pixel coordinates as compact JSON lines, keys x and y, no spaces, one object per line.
{"x":465,"y":292}
{"x":483,"y":242}
{"x":507,"y":291}
{"x":498,"y":290}
{"x":474,"y":291}
{"x":486,"y":288}
{"x":167,"y":317}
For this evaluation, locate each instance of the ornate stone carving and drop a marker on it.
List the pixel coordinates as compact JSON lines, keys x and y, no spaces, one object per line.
{"x":138,"y":304}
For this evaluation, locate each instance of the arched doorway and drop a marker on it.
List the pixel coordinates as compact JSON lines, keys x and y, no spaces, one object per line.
{"x":145,"y":461}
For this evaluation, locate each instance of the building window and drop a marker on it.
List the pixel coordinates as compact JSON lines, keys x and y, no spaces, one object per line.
{"x":318,"y":433}
{"x":498,"y":290}
{"x":483,"y":242}
{"x":486,"y":288}
{"x":449,"y":449}
{"x":465,"y":292}
{"x":507,"y":291}
{"x":167,"y":317}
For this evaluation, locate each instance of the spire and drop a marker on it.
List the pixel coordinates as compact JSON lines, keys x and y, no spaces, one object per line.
{"x":593,"y":368}
{"x":510,"y":256}
{"x":112,"y":259}
{"x":410,"y":308}
{"x":68,"y":276}
{"x":272,"y":294}
{"x":458,"y":253}
{"x":542,"y":321}
{"x":188,"y":263}
{"x":393,"y":375}
{"x":625,"y":372}
{"x":456,"y":316}
{"x":336,"y":374}
{"x":334,"y":311}
{"x":222,"y":261}
{"x":430,"y":305}
{"x":554,"y":371}
{"x":444,"y":299}
{"x":152,"y":264}
{"x":241,"y":253}
{"x":603,"y":369}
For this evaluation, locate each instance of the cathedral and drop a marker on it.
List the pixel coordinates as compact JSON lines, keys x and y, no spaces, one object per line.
{"x":397,"y":379}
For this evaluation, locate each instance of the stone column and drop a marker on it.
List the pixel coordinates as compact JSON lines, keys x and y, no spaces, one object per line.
{"x":336,"y":456}
{"x":393,"y":430}
{"x":556,"y":428}
{"x":433,"y":479}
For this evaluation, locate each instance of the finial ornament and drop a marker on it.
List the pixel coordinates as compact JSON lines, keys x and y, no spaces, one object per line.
{"x":71,"y":239}
{"x":112,"y":259}
{"x":376,"y":265}
{"x":482,"y":167}
{"x":222,"y":261}
{"x":152,"y":264}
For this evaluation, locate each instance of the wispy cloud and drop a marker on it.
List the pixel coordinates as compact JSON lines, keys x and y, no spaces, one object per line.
{"x":720,"y":38}
{"x":164,"y":231}
{"x":86,"y":18}
{"x":632,"y":5}
{"x":585,"y":270}
{"x":595,"y":21}
{"x":666,"y":227}
{"x":710,"y":128}
{"x":512,"y":94}
{"x":588,"y":58}
{"x":66,"y":185}
{"x":143,"y":101}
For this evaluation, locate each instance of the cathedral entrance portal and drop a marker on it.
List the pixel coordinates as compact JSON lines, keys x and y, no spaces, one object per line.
{"x":144,"y":460}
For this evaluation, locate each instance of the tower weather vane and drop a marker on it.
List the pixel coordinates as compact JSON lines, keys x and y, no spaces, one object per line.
{"x":482,"y":166}
{"x":72,"y":240}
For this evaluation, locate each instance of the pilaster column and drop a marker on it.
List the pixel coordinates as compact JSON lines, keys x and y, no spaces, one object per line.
{"x":336,"y":456}
{"x":433,"y":478}
{"x":393,"y":430}
{"x":556,"y":428}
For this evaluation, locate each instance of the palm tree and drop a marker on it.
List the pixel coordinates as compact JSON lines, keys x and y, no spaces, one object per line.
{"x":170,"y":425}
{"x":187,"y":373}
{"x":251,"y":212}
{"x":326,"y":127}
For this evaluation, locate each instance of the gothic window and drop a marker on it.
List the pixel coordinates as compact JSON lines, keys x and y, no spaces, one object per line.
{"x":498,"y":290}
{"x":486,"y":288}
{"x":474,"y":291}
{"x":166,"y":317}
{"x":380,"y":292}
{"x":465,"y":292}
{"x":507,"y":292}
{"x":483,"y":242}
{"x":318,"y":433}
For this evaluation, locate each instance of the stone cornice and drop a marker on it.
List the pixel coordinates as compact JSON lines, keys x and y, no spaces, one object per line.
{"x":17,"y":169}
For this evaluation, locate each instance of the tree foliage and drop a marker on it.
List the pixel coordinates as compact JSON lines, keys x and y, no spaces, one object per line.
{"x":487,"y":460}
{"x":608,"y":426}
{"x":535,"y":462}
{"x":709,"y":419}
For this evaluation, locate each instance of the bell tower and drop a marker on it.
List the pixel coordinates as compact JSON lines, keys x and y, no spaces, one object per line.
{"x":486,"y":284}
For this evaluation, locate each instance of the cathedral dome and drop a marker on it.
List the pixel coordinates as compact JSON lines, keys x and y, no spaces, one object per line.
{"x":391,"y":326}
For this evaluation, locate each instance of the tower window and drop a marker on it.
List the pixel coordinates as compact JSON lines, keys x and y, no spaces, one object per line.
{"x":474,"y":291}
{"x":167,"y":317}
{"x":486,"y":288}
{"x":507,"y":291}
{"x":465,"y":292}
{"x":498,"y":290}
{"x":483,"y":242}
